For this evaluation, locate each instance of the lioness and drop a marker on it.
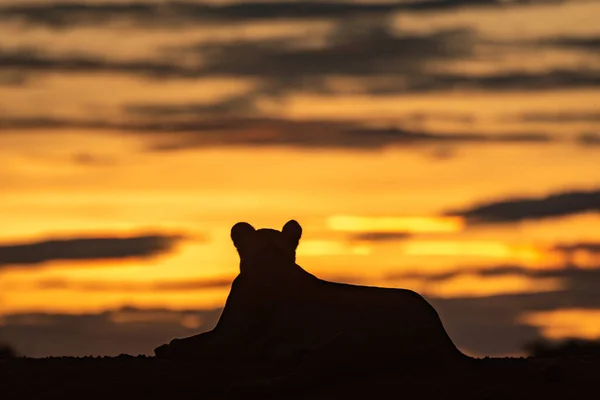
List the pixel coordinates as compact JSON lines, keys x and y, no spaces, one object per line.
{"x":277,"y":310}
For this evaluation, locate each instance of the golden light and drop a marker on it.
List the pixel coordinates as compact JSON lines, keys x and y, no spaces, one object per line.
{"x":73,"y":302}
{"x":350,"y":223}
{"x":470,"y":285}
{"x":132,"y":317}
{"x":472,"y":248}
{"x":565,"y":323}
{"x":191,"y":321}
{"x":330,"y":248}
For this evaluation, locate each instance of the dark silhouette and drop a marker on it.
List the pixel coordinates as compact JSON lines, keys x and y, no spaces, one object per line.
{"x":278,"y":311}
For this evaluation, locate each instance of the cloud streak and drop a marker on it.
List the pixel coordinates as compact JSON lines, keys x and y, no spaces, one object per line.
{"x":381,"y":58}
{"x":588,"y":247}
{"x":588,"y":44}
{"x":530,"y":208}
{"x":30,"y":61}
{"x":165,"y":286}
{"x":559,"y":117}
{"x":190,"y":126}
{"x":373,"y":47}
{"x":577,"y":278}
{"x":281,"y":64}
{"x":375,"y":236}
{"x":89,"y":248}
{"x":589,"y":139}
{"x":185,"y":13}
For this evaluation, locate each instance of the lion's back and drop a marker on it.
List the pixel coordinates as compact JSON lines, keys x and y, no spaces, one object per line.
{"x":390,"y":317}
{"x":356,"y":328}
{"x":310,"y":313}
{"x":376,"y":302}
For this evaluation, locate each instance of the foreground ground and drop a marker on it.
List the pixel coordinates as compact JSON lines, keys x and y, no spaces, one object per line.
{"x":147,"y":377}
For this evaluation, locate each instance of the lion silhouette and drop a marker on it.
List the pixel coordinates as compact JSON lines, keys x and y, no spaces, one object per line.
{"x":276,"y":310}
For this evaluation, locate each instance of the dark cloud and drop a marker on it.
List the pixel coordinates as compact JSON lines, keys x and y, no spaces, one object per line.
{"x":588,"y":247}
{"x":371,"y":51}
{"x":244,"y":106}
{"x":28,"y":61}
{"x":361,"y":48}
{"x":91,"y":159}
{"x":589,"y":139}
{"x":175,"y":14}
{"x":558,"y":117}
{"x":171,"y":129}
{"x":380,"y":236}
{"x":587,"y":44}
{"x":401,"y":136}
{"x":518,"y":80}
{"x":575,"y":277}
{"x":300,"y":71}
{"x":424,"y":276}
{"x":166,"y":286}
{"x":237,"y":106}
{"x":35,"y":122}
{"x":383,"y":59}
{"x":281,"y":65}
{"x":89,"y":248}
{"x":335,"y":135}
{"x":530,"y":208}
{"x":503,"y":270}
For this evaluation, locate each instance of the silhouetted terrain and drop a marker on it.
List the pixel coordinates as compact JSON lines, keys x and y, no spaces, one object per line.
{"x":147,"y":377}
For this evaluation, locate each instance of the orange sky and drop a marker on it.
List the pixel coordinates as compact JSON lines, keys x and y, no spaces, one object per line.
{"x":98,"y":175}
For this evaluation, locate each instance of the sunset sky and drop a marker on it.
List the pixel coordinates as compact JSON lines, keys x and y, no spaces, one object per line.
{"x":451,"y":147}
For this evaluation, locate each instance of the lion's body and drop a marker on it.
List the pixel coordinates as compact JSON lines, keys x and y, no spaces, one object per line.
{"x":277,"y":310}
{"x":300,"y":313}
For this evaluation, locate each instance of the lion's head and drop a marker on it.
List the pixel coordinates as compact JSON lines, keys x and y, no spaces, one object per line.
{"x":261,"y":248}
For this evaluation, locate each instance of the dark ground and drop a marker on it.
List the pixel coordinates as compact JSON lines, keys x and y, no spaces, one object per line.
{"x":148,"y":378}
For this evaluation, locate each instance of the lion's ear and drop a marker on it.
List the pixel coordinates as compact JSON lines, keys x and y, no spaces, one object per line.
{"x":293,"y":231}
{"x":240,"y":233}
